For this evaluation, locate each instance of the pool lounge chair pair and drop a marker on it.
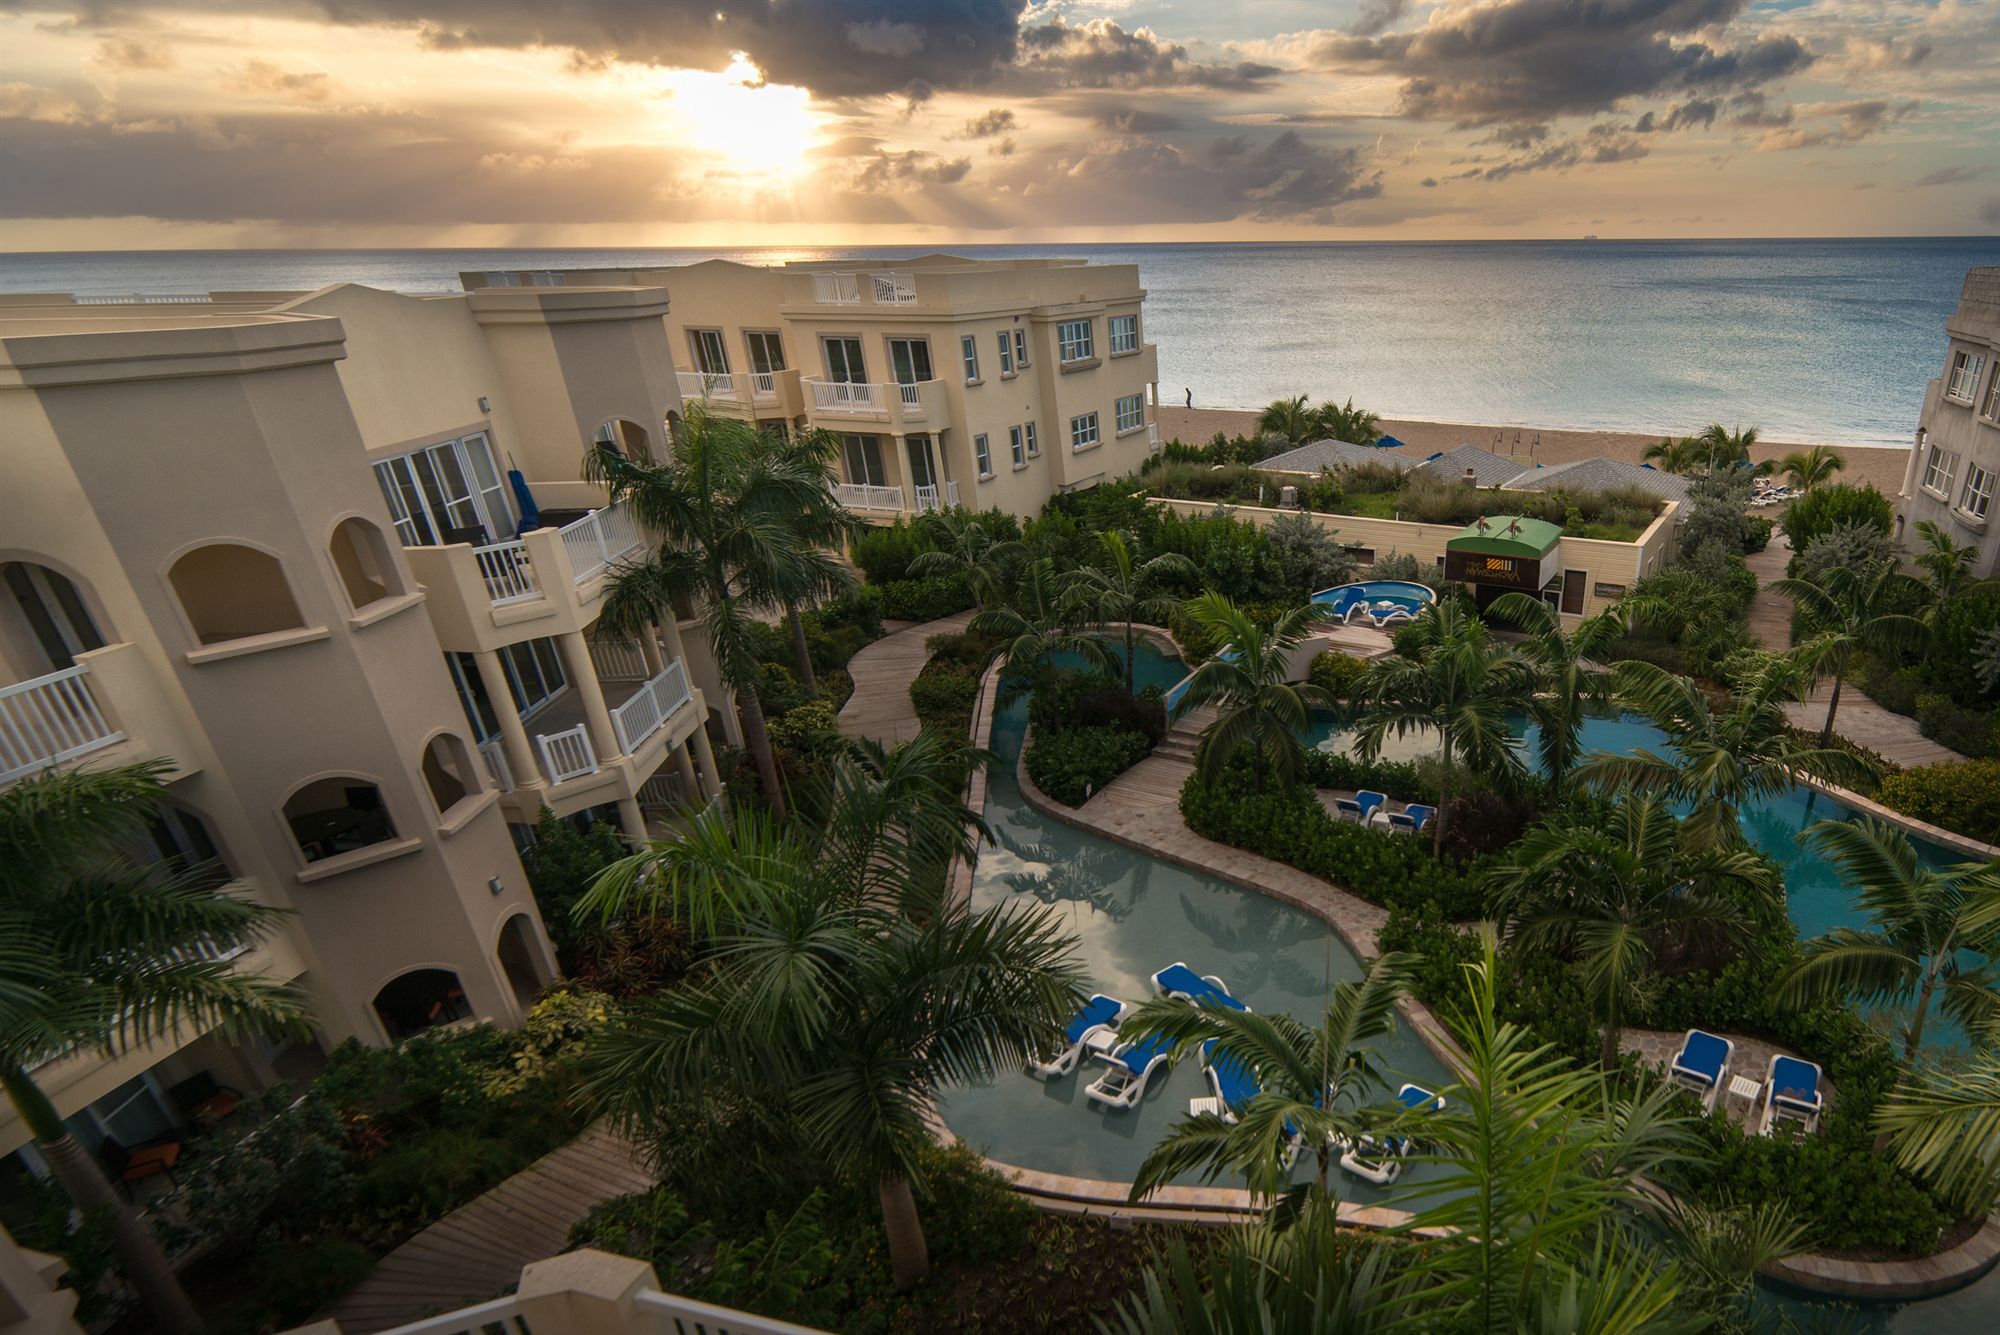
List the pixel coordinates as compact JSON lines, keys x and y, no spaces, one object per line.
{"x":1412,"y":818}
{"x":1791,"y":1091}
{"x":1132,"y":1066}
{"x":1360,"y":806}
{"x":1184,"y":984}
{"x":1381,"y":1161}
{"x":1093,"y":1029}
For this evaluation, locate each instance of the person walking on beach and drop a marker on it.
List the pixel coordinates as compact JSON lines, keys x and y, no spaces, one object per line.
{"x":1190,"y":396}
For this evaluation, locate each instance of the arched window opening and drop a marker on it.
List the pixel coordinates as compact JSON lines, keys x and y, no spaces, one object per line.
{"x":449,"y":771}
{"x":232,"y":592}
{"x":626,"y":438}
{"x":51,"y":612}
{"x":329,"y":817}
{"x":420,"y":999}
{"x":361,"y":556}
{"x":519,"y":959}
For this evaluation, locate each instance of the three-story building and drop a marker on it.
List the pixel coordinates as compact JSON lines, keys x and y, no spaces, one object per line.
{"x":1954,"y":467}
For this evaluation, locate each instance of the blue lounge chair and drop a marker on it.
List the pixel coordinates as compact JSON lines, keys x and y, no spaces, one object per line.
{"x":1420,"y":814}
{"x":1094,"y":1027}
{"x":1235,"y":1084}
{"x":1381,"y":1162}
{"x":1702,"y":1065}
{"x":1368,"y":799}
{"x":1791,"y":1089}
{"x":1184,"y":984}
{"x":1348,"y":808}
{"x":1401,"y":823}
{"x":1132,"y":1065}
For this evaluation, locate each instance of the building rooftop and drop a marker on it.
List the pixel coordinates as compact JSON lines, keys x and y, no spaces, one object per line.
{"x":1601,"y":475}
{"x":1488,"y":469}
{"x":1320,"y":455}
{"x":1506,"y":535}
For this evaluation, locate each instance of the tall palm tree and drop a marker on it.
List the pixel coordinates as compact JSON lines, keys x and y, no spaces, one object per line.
{"x":1040,"y":622}
{"x":1685,"y":455}
{"x":1122,"y":588}
{"x":1314,"y":1083}
{"x":1728,"y":449}
{"x":1945,"y":1126}
{"x":822,"y":527}
{"x":1925,"y":920}
{"x":725,"y":511}
{"x":964,"y":545}
{"x":1946,"y":565}
{"x":1854,"y":609}
{"x":1806,"y":469}
{"x":1248,"y":679}
{"x":1453,"y":680}
{"x":1720,"y":759}
{"x":1619,"y":893}
{"x":1356,"y":426}
{"x":1571,"y":683}
{"x":101,"y":952}
{"x":1289,"y":418}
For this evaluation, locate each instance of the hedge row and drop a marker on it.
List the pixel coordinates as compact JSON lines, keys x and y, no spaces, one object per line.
{"x":1072,"y":764}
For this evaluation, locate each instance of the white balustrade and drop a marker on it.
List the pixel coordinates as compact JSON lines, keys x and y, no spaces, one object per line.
{"x":598,"y":539}
{"x":845,"y":396}
{"x":685,"y":1316}
{"x":937,"y":498}
{"x":650,"y":707}
{"x":149,"y":299}
{"x":495,"y":755}
{"x":894,"y":288}
{"x":764,"y":384}
{"x":709,"y":385}
{"x":507,"y":573}
{"x":47,"y":720}
{"x":863,"y":496}
{"x":503,"y":1314}
{"x":913,"y":397}
{"x":836,"y":289}
{"x":618,"y":660}
{"x":567,"y":754}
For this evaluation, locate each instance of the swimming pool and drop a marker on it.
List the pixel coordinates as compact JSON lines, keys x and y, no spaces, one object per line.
{"x":1381,"y":595}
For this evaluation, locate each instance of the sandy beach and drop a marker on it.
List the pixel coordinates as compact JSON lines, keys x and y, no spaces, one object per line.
{"x":1532,"y":445}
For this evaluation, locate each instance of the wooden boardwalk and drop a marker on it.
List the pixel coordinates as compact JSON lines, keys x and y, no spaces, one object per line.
{"x":476,"y":1252}
{"x":880,"y":706}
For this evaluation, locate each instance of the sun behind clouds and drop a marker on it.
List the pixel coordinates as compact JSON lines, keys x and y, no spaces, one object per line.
{"x":763,"y":132}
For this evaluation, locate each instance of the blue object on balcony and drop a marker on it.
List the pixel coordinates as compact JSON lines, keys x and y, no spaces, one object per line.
{"x":531,"y":515}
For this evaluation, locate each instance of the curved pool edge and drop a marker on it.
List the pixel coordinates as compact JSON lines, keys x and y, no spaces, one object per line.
{"x":1868,"y":806}
{"x":1923,"y":1277}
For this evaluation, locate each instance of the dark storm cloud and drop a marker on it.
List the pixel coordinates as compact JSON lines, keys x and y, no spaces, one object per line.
{"x":1100,"y":54}
{"x":1377,"y":15}
{"x":1134,"y":120}
{"x":997,"y":121}
{"x":887,"y":173}
{"x":1681,"y":116}
{"x":1527,"y":61}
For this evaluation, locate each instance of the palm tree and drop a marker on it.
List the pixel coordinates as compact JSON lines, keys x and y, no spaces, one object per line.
{"x":1945,"y":1126}
{"x":1289,"y":418}
{"x":1719,"y":759}
{"x":1314,"y":1084}
{"x":100,"y":952}
{"x":1617,"y":891}
{"x":1946,"y":565}
{"x":1356,"y":426}
{"x":1571,"y":683}
{"x":1853,"y":609}
{"x":1248,"y":679}
{"x":1926,"y":918}
{"x":1451,"y":679}
{"x":1121,"y":588}
{"x":964,"y":544}
{"x":1039,"y":623}
{"x":1729,"y":449}
{"x":1686,"y":455}
{"x":1806,"y":469}
{"x":821,"y":528}
{"x":725,"y":509}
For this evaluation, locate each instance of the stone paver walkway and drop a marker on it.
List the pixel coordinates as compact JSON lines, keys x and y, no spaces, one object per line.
{"x":476,"y":1252}
{"x":880,"y":706}
{"x":1860,"y":720}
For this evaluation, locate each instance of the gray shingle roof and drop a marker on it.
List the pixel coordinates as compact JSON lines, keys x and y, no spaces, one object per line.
{"x":1320,"y":455}
{"x":1600,"y":474}
{"x":1489,"y":469}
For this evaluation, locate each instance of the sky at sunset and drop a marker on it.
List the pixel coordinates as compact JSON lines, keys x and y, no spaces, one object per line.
{"x":222,"y":123}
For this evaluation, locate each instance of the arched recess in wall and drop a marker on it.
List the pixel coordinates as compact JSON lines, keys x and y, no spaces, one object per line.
{"x":626,"y":437}
{"x":672,"y":424}
{"x":364,"y":561}
{"x":229,"y":591}
{"x":47,"y":615}
{"x":520,"y":959}
{"x":421,"y":999}
{"x":450,"y":771}
{"x":337,"y":814}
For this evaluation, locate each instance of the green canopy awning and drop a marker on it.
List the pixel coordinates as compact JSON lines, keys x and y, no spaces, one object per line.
{"x":1506,"y":535}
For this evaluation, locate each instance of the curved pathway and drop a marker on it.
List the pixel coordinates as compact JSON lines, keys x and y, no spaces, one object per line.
{"x":880,"y":707}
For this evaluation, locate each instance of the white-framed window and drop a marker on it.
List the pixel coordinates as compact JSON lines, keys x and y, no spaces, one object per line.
{"x":968,"y":347}
{"x":1021,"y":348}
{"x":1978,"y":491}
{"x":1938,"y":473}
{"x":1124,"y":334}
{"x":1017,"y":446}
{"x":448,"y":492}
{"x":1131,"y":413}
{"x":767,"y":351}
{"x":1028,"y":433}
{"x":1964,"y":381}
{"x":1006,"y":354}
{"x":864,"y":460}
{"x":1993,"y":395}
{"x":1083,"y":431}
{"x":710,"y":356}
{"x":1073,"y":341}
{"x":982,"y":453}
{"x":535,"y":675}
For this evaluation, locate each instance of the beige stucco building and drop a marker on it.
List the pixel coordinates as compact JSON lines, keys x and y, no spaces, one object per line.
{"x":1954,"y":467}
{"x":277,"y":540}
{"x":985,"y":383}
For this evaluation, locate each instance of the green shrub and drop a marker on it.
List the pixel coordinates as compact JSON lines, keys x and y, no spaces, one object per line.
{"x":1071,"y":765}
{"x":1969,"y":730}
{"x":1823,"y":509}
{"x":860,"y":607}
{"x":779,"y":689}
{"x":1757,"y":533}
{"x":926,"y":599}
{"x":1895,"y":689}
{"x":561,"y":863}
{"x":884,"y":554}
{"x":836,"y":687}
{"x":811,"y":729}
{"x":1963,"y":797}
{"x":1963,"y":623}
{"x":1397,"y":778}
{"x":1335,"y":673}
{"x":944,"y":696}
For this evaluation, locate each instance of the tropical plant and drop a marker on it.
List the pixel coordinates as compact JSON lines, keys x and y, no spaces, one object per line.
{"x":1248,"y":680}
{"x":964,"y":545}
{"x":1947,"y":566}
{"x":1314,"y":1084}
{"x":1827,"y":507}
{"x":725,"y":510}
{"x":1616,"y":890}
{"x":821,"y":527}
{"x":1806,"y":469}
{"x":1944,"y":1126}
{"x":1685,"y":455}
{"x":1450,"y":679}
{"x":1289,"y":419}
{"x":102,"y":952}
{"x":1719,"y":759}
{"x":1935,"y":934}
{"x":1122,"y":589}
{"x":1853,"y":609}
{"x":1571,"y":684}
{"x":1344,"y":421}
{"x":1038,"y":622}
{"x":1308,"y":555}
{"x":1730,"y":449}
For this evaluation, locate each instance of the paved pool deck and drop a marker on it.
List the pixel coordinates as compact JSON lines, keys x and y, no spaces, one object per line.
{"x":880,"y":707}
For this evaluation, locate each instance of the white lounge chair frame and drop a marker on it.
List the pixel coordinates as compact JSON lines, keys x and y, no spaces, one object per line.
{"x":1098,"y":1038}
{"x":1119,"y":1088}
{"x":1689,"y":1078}
{"x":1776,"y":1109}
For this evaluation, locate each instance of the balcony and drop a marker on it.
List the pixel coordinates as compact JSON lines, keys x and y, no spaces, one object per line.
{"x":559,"y":733}
{"x":745,"y":393}
{"x":885,"y":287}
{"x":544,"y":582}
{"x":921,"y":406}
{"x":109,"y":706}
{"x":863,"y":498}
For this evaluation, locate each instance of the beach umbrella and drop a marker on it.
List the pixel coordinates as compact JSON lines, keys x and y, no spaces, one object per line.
{"x":531,"y":515}
{"x":1388,"y":443}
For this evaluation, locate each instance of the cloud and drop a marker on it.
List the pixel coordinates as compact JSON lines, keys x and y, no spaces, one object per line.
{"x":1681,"y":116}
{"x":125,"y":53}
{"x":1949,"y":176}
{"x":888,"y":173}
{"x":1377,"y":15}
{"x":998,"y":121}
{"x":1135,"y":120}
{"x":261,"y":76}
{"x":1100,"y":54}
{"x":1856,"y":121}
{"x":1989,"y":212}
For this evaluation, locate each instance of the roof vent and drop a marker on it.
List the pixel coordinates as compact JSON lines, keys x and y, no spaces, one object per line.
{"x":1472,"y":475}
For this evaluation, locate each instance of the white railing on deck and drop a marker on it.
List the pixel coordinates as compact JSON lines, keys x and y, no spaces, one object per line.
{"x":836,"y":289}
{"x":495,"y":756}
{"x":502,"y":1314}
{"x":618,"y":660}
{"x":863,"y":496}
{"x":764,"y":384}
{"x":657,"y":1313}
{"x":845,"y":396}
{"x":567,"y":754}
{"x":708,"y":385}
{"x":929,"y":498}
{"x":47,"y":720}
{"x":650,"y":707}
{"x":893,"y":288}
{"x":912,"y":395}
{"x":149,"y":299}
{"x":505,"y":569}
{"x":685,"y":1316}
{"x":598,"y":539}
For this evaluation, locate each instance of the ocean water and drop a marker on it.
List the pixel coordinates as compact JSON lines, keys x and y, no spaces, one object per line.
{"x":1809,"y":340}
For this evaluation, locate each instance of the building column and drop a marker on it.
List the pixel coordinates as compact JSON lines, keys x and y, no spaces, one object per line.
{"x":649,"y":649}
{"x":583,"y":676}
{"x":684,"y":766}
{"x":514,"y":742}
{"x":632,"y":820}
{"x":707,"y":754}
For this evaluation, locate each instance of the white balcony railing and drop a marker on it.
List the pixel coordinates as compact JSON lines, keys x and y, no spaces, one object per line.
{"x":651,"y":1311}
{"x":708,"y":385}
{"x":507,"y":573}
{"x":863,"y":496}
{"x":567,"y":754}
{"x":763,"y":384}
{"x":942,"y":497}
{"x":836,"y":289}
{"x":618,"y":660}
{"x":495,"y":756}
{"x":47,"y":720}
{"x":894,"y":288}
{"x":598,"y":539}
{"x":844,"y":396}
{"x":650,"y":707}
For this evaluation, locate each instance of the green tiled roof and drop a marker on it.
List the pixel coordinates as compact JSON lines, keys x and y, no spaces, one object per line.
{"x":1506,"y":535}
